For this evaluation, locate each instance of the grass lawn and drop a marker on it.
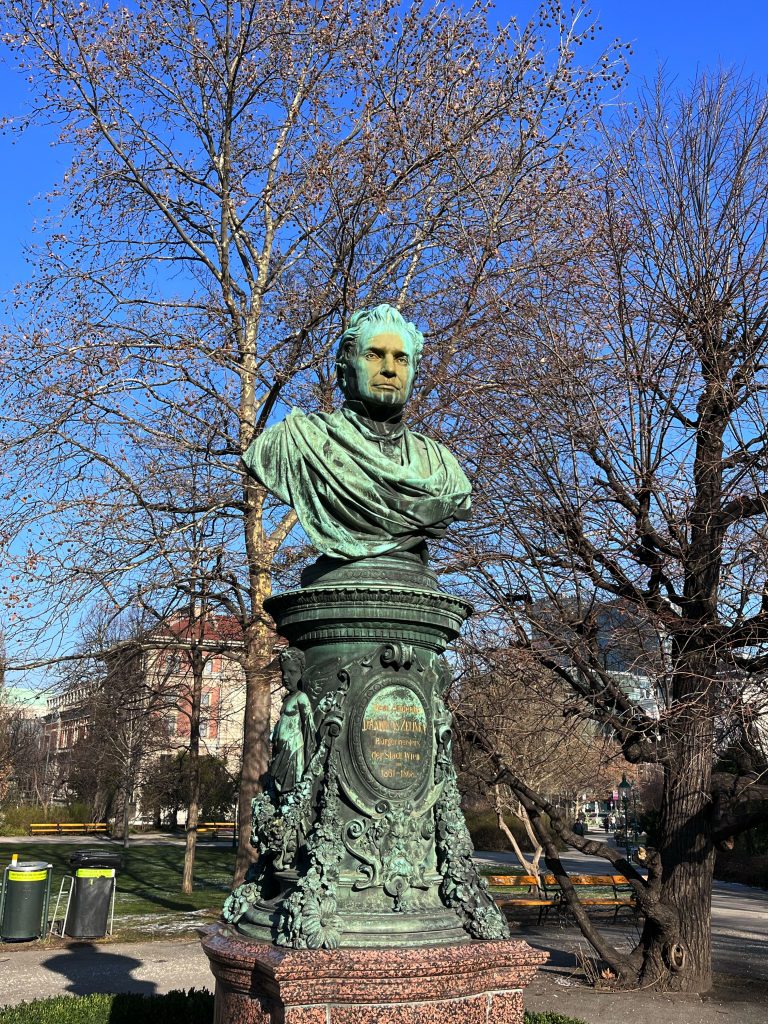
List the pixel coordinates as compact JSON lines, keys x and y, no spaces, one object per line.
{"x":485,"y":869}
{"x":149,"y":900}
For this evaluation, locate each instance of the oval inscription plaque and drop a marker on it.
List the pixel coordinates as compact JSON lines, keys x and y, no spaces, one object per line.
{"x":394,"y":737}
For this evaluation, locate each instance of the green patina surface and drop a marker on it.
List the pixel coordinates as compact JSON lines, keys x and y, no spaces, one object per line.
{"x":360,"y":481}
{"x":361,"y":837}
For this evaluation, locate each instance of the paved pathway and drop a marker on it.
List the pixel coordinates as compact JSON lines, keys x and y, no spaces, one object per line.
{"x":156,"y":967}
{"x":83,"y":967}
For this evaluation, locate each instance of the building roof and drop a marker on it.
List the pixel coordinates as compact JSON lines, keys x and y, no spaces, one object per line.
{"x":222,"y":630}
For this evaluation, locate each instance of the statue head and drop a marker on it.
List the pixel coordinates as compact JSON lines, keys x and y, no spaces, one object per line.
{"x":378,"y":358}
{"x":292,"y":665}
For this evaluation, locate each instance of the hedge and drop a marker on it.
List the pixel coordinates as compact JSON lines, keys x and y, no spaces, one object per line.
{"x":550,"y":1018}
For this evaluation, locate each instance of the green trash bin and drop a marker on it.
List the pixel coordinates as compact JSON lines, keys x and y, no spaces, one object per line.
{"x":24,"y":900}
{"x":93,"y":890}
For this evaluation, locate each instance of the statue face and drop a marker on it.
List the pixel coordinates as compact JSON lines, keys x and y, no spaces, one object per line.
{"x":383,"y":369}
{"x":291,"y":673}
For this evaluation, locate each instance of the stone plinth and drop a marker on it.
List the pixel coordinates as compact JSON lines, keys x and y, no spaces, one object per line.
{"x":471,"y":983}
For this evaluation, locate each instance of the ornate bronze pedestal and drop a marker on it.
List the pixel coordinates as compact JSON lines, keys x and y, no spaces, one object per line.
{"x":369,"y":847}
{"x":365,"y":900}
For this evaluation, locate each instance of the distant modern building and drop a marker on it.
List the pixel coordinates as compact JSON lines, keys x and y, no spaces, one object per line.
{"x":640,"y":689}
{"x":625,"y":646}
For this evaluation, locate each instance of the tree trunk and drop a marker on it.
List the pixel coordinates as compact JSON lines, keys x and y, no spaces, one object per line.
{"x":259,"y":641}
{"x":126,"y":815}
{"x":117,"y":811}
{"x":684,"y":959}
{"x":193,"y":808}
{"x":531,"y":867}
{"x":678,"y":957}
{"x":255,"y":745}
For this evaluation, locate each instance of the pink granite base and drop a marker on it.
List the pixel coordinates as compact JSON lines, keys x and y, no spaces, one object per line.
{"x":475,"y":983}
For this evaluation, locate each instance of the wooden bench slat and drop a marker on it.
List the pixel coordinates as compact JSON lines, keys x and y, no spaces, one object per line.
{"x":529,"y":893}
{"x":524,"y":903}
{"x":64,"y":827}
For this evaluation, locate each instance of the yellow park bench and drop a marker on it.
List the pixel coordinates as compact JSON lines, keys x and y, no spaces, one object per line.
{"x":519,"y":892}
{"x":213,"y":828}
{"x":67,"y":828}
{"x":610,"y":892}
{"x":603,"y":892}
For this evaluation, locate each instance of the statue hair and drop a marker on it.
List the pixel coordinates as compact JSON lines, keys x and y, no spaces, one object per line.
{"x":366,"y":322}
{"x":293,"y":654}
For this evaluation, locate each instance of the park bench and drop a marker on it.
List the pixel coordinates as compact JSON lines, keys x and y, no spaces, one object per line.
{"x":67,"y":828}
{"x":517,"y":892}
{"x":214,"y":829}
{"x":598,"y":891}
{"x":603,"y":892}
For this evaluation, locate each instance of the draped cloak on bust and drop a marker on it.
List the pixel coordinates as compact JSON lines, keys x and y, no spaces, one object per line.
{"x":357,"y":492}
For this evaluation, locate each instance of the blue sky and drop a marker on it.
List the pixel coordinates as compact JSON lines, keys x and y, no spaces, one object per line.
{"x":682,"y":34}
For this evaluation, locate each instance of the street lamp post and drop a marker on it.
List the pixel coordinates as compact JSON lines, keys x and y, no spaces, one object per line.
{"x":624,"y":791}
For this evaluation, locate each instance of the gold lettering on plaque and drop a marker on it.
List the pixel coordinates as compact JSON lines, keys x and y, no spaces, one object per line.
{"x":393,"y":736}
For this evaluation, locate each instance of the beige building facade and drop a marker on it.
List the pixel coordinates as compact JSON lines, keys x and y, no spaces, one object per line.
{"x":152,"y":681}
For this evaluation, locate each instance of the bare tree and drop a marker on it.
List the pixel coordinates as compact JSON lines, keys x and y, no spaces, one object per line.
{"x":625,"y":468}
{"x":242,"y":176}
{"x":123,"y":716}
{"x":7,"y":746}
{"x":523,"y":714}
{"x":193,"y":642}
{"x":125,"y":725}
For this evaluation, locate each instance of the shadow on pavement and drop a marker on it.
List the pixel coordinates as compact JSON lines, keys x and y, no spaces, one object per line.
{"x":91,"y":968}
{"x":559,"y":959}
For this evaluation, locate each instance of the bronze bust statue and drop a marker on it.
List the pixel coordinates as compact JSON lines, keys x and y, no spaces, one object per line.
{"x":361,"y":482}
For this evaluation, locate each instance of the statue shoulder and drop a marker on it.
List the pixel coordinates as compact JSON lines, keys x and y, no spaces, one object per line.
{"x":440,"y":458}
{"x":434,"y":449}
{"x":297,"y":420}
{"x":278,"y":441}
{"x":426,"y":442}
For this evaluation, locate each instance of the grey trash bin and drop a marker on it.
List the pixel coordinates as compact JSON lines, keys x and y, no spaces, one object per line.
{"x":24,"y":900}
{"x":94,"y":874}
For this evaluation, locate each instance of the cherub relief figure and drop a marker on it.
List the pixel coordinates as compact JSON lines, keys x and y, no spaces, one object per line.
{"x":293,"y":738}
